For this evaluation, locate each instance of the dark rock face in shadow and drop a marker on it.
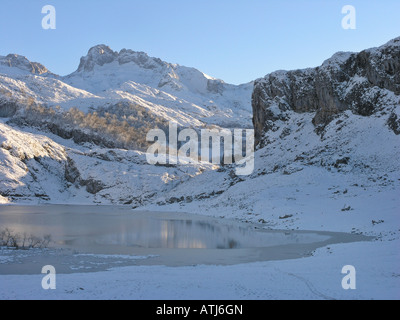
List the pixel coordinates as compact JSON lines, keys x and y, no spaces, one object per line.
{"x":7,"y":109}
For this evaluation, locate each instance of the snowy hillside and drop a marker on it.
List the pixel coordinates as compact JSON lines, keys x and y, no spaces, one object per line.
{"x":342,"y":182}
{"x":35,"y":168}
{"x":322,"y":146}
{"x":111,"y":101}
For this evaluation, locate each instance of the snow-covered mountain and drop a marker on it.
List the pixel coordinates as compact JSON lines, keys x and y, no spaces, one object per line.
{"x":145,"y":80}
{"x":105,"y":77}
{"x":136,"y":92}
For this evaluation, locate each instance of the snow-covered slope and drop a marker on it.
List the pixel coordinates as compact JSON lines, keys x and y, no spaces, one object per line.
{"x":23,"y":82}
{"x":339,"y":183}
{"x":31,"y":166}
{"x":35,"y":168}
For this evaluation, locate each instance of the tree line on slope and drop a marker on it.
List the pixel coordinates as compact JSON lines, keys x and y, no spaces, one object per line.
{"x":123,"y":125}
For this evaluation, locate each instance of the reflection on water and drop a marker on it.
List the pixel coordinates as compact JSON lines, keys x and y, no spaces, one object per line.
{"x":177,"y":234}
{"x":100,"y":226}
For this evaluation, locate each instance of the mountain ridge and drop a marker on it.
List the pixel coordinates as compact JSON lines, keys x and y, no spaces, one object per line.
{"x":106,"y":77}
{"x":13,"y":60}
{"x":361,"y":82}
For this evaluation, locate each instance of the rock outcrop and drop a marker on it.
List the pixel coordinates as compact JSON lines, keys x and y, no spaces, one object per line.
{"x":360,"y":82}
{"x":98,"y":55}
{"x":21,"y":62}
{"x":7,"y":109}
{"x":102,"y":54}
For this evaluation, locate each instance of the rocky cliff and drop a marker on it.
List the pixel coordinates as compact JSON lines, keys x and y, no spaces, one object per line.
{"x":17,"y":61}
{"x":362,"y":82}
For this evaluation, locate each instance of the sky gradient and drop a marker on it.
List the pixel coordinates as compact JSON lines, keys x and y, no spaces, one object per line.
{"x":234,"y":40}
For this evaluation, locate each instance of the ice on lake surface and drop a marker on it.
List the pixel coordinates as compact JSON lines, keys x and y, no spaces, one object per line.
{"x":177,"y":238}
{"x":107,"y":226}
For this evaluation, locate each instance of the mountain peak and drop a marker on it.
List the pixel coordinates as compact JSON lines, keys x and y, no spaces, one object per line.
{"x":142,"y":59}
{"x":22,"y":63}
{"x":103,"y":54}
{"x":97,"y":55}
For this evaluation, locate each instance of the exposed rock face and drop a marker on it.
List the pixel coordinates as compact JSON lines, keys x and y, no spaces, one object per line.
{"x":21,"y":62}
{"x":360,"y":82}
{"x":72,"y":175}
{"x":98,"y":55}
{"x":394,"y":123}
{"x":102,"y":54}
{"x":140,"y":58}
{"x":7,"y":109}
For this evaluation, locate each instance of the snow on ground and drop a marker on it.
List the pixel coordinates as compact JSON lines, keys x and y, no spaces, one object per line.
{"x":325,"y":201}
{"x":3,"y":200}
{"x":317,"y":277}
{"x":317,"y":206}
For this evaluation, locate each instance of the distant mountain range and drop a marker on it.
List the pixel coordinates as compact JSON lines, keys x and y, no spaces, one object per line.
{"x":105,"y":77}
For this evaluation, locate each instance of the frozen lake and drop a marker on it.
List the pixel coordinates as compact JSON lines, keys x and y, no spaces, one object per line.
{"x":172,"y":239}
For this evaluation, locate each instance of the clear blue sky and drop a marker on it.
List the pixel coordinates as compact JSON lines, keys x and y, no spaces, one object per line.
{"x":234,"y":40}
